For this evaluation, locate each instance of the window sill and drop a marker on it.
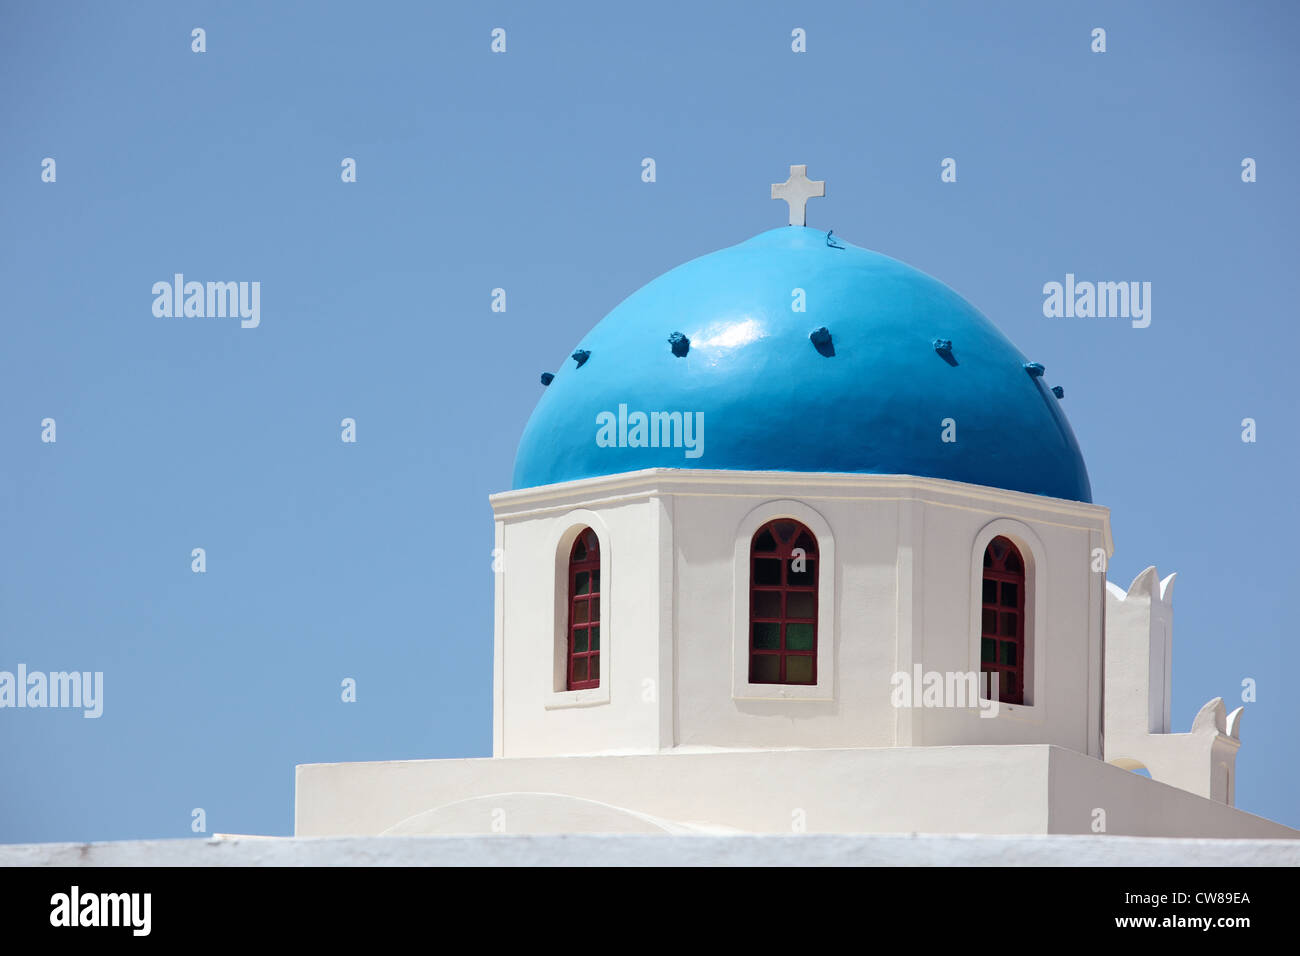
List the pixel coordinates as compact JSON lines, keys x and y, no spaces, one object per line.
{"x":587,"y":697}
{"x":811,"y":692}
{"x":1028,"y":713}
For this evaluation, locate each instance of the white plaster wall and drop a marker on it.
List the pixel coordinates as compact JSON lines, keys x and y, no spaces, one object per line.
{"x":533,"y":713}
{"x":1064,"y":621}
{"x":711,"y":624}
{"x":905,"y":589}
{"x":961,"y":789}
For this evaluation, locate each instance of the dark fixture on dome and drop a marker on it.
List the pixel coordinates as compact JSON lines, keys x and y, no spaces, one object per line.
{"x":680,"y":344}
{"x":944,"y":348}
{"x":1058,"y":391}
{"x":547,"y":378}
{"x":821,"y":340}
{"x":1035,"y":369}
{"x":581,"y":357}
{"x":833,"y":243}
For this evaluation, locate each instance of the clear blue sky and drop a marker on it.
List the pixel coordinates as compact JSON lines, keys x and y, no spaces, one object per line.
{"x":522,"y":171}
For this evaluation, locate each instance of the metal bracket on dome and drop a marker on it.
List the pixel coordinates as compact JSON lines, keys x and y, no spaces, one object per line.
{"x":1058,"y":391}
{"x":1035,"y":369}
{"x":834,"y":244}
{"x":821,"y":340}
{"x":581,"y":357}
{"x":547,"y":378}
{"x":680,"y":344}
{"x":944,"y":348}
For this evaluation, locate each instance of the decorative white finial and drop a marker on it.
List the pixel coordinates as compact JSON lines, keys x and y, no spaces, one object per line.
{"x":796,"y":191}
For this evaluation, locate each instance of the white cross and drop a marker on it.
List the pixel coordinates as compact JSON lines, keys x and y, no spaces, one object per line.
{"x":796,"y":191}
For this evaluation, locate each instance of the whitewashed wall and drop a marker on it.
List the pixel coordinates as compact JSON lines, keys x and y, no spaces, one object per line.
{"x":903,"y":587}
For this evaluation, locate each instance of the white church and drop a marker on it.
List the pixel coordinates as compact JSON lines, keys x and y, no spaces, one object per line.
{"x":799,"y":542}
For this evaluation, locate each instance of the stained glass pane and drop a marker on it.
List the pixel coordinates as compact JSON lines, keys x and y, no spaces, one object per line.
{"x":1008,"y":650}
{"x":765,"y":668}
{"x":999,"y":548}
{"x":1010,"y":594}
{"x":989,"y":622}
{"x":800,"y":604}
{"x":799,"y":637}
{"x":767,"y":637}
{"x":767,"y":604}
{"x":1009,"y":625}
{"x":798,"y":670}
{"x":990,"y":591}
{"x":1007,"y":690}
{"x":767,"y":571}
{"x":987,"y":649}
{"x":784,"y":556}
{"x":584,"y":611}
{"x":1013,"y":562}
{"x":805,"y":578}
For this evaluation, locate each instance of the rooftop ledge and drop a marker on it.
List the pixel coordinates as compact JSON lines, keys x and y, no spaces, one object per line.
{"x":654,"y":850}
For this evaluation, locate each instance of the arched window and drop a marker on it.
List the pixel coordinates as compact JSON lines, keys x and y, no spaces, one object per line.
{"x":583,"y":660}
{"x":783,"y":604}
{"x":1002,"y":620}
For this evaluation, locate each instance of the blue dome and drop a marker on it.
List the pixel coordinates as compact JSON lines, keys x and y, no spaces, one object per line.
{"x":870,"y":401}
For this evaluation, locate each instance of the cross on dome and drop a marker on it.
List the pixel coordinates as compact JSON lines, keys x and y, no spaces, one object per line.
{"x":796,"y":191}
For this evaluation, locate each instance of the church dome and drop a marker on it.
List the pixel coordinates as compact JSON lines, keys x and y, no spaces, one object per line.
{"x":869,"y":394}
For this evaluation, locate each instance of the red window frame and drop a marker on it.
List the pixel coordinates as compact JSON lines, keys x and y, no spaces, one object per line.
{"x":783,"y":605}
{"x":1002,"y":620}
{"x":582,"y":619}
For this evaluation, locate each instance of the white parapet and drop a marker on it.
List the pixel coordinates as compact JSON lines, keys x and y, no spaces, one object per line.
{"x":1139,"y":644}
